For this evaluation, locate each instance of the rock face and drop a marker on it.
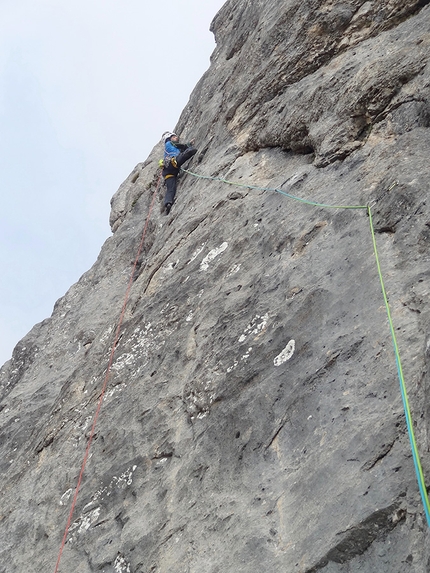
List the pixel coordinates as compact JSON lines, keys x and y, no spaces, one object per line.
{"x":253,"y":418}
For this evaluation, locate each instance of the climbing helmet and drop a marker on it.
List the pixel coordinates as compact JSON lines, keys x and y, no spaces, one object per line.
{"x":167,"y":135}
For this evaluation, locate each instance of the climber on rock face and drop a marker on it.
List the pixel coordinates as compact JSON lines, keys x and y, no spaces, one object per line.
{"x":175,"y":155}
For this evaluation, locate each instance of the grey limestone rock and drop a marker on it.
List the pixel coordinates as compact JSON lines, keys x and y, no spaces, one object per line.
{"x":252,"y":418}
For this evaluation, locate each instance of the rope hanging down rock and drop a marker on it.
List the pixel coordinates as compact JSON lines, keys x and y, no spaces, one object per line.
{"x":409,"y":422}
{"x":107,"y":375}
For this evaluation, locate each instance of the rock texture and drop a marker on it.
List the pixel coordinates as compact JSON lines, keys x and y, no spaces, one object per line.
{"x":253,"y":418}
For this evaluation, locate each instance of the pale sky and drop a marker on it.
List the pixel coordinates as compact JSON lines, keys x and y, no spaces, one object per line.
{"x":87,"y":87}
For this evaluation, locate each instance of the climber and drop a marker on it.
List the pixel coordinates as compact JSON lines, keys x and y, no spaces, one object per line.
{"x":175,"y":155}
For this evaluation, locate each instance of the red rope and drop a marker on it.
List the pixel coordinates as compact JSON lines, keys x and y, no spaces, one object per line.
{"x":99,"y":405}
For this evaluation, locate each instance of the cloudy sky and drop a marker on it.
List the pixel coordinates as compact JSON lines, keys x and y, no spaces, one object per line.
{"x":87,"y":87}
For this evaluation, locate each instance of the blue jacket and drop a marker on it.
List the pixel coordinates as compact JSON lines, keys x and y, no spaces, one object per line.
{"x":170,"y":150}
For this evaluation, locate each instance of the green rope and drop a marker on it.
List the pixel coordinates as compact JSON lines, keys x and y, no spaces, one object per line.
{"x":409,"y":422}
{"x":408,"y":416}
{"x":276,"y":191}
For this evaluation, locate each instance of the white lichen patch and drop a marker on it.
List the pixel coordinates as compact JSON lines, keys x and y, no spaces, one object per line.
{"x":196,"y":253}
{"x":200,"y":399}
{"x":91,"y":511}
{"x":117,"y":482}
{"x":142,"y":342}
{"x":165,"y":308}
{"x":104,"y":337}
{"x":233,"y":270}
{"x":246,"y":355}
{"x":66,"y":496}
{"x":116,"y":389}
{"x":243,"y":358}
{"x":84,"y":522}
{"x":286,"y":354}
{"x":89,"y":519}
{"x":87,"y":422}
{"x":189,"y":317}
{"x":204,"y":265}
{"x":124,"y":360}
{"x":121,"y":565}
{"x":233,"y":367}
{"x":256,"y":327}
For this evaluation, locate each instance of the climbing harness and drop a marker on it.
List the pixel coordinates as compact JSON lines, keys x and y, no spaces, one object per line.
{"x":409,"y":422}
{"x":107,"y":375}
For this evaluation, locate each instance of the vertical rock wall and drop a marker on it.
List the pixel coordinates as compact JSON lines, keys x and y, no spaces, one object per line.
{"x":253,"y":419}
